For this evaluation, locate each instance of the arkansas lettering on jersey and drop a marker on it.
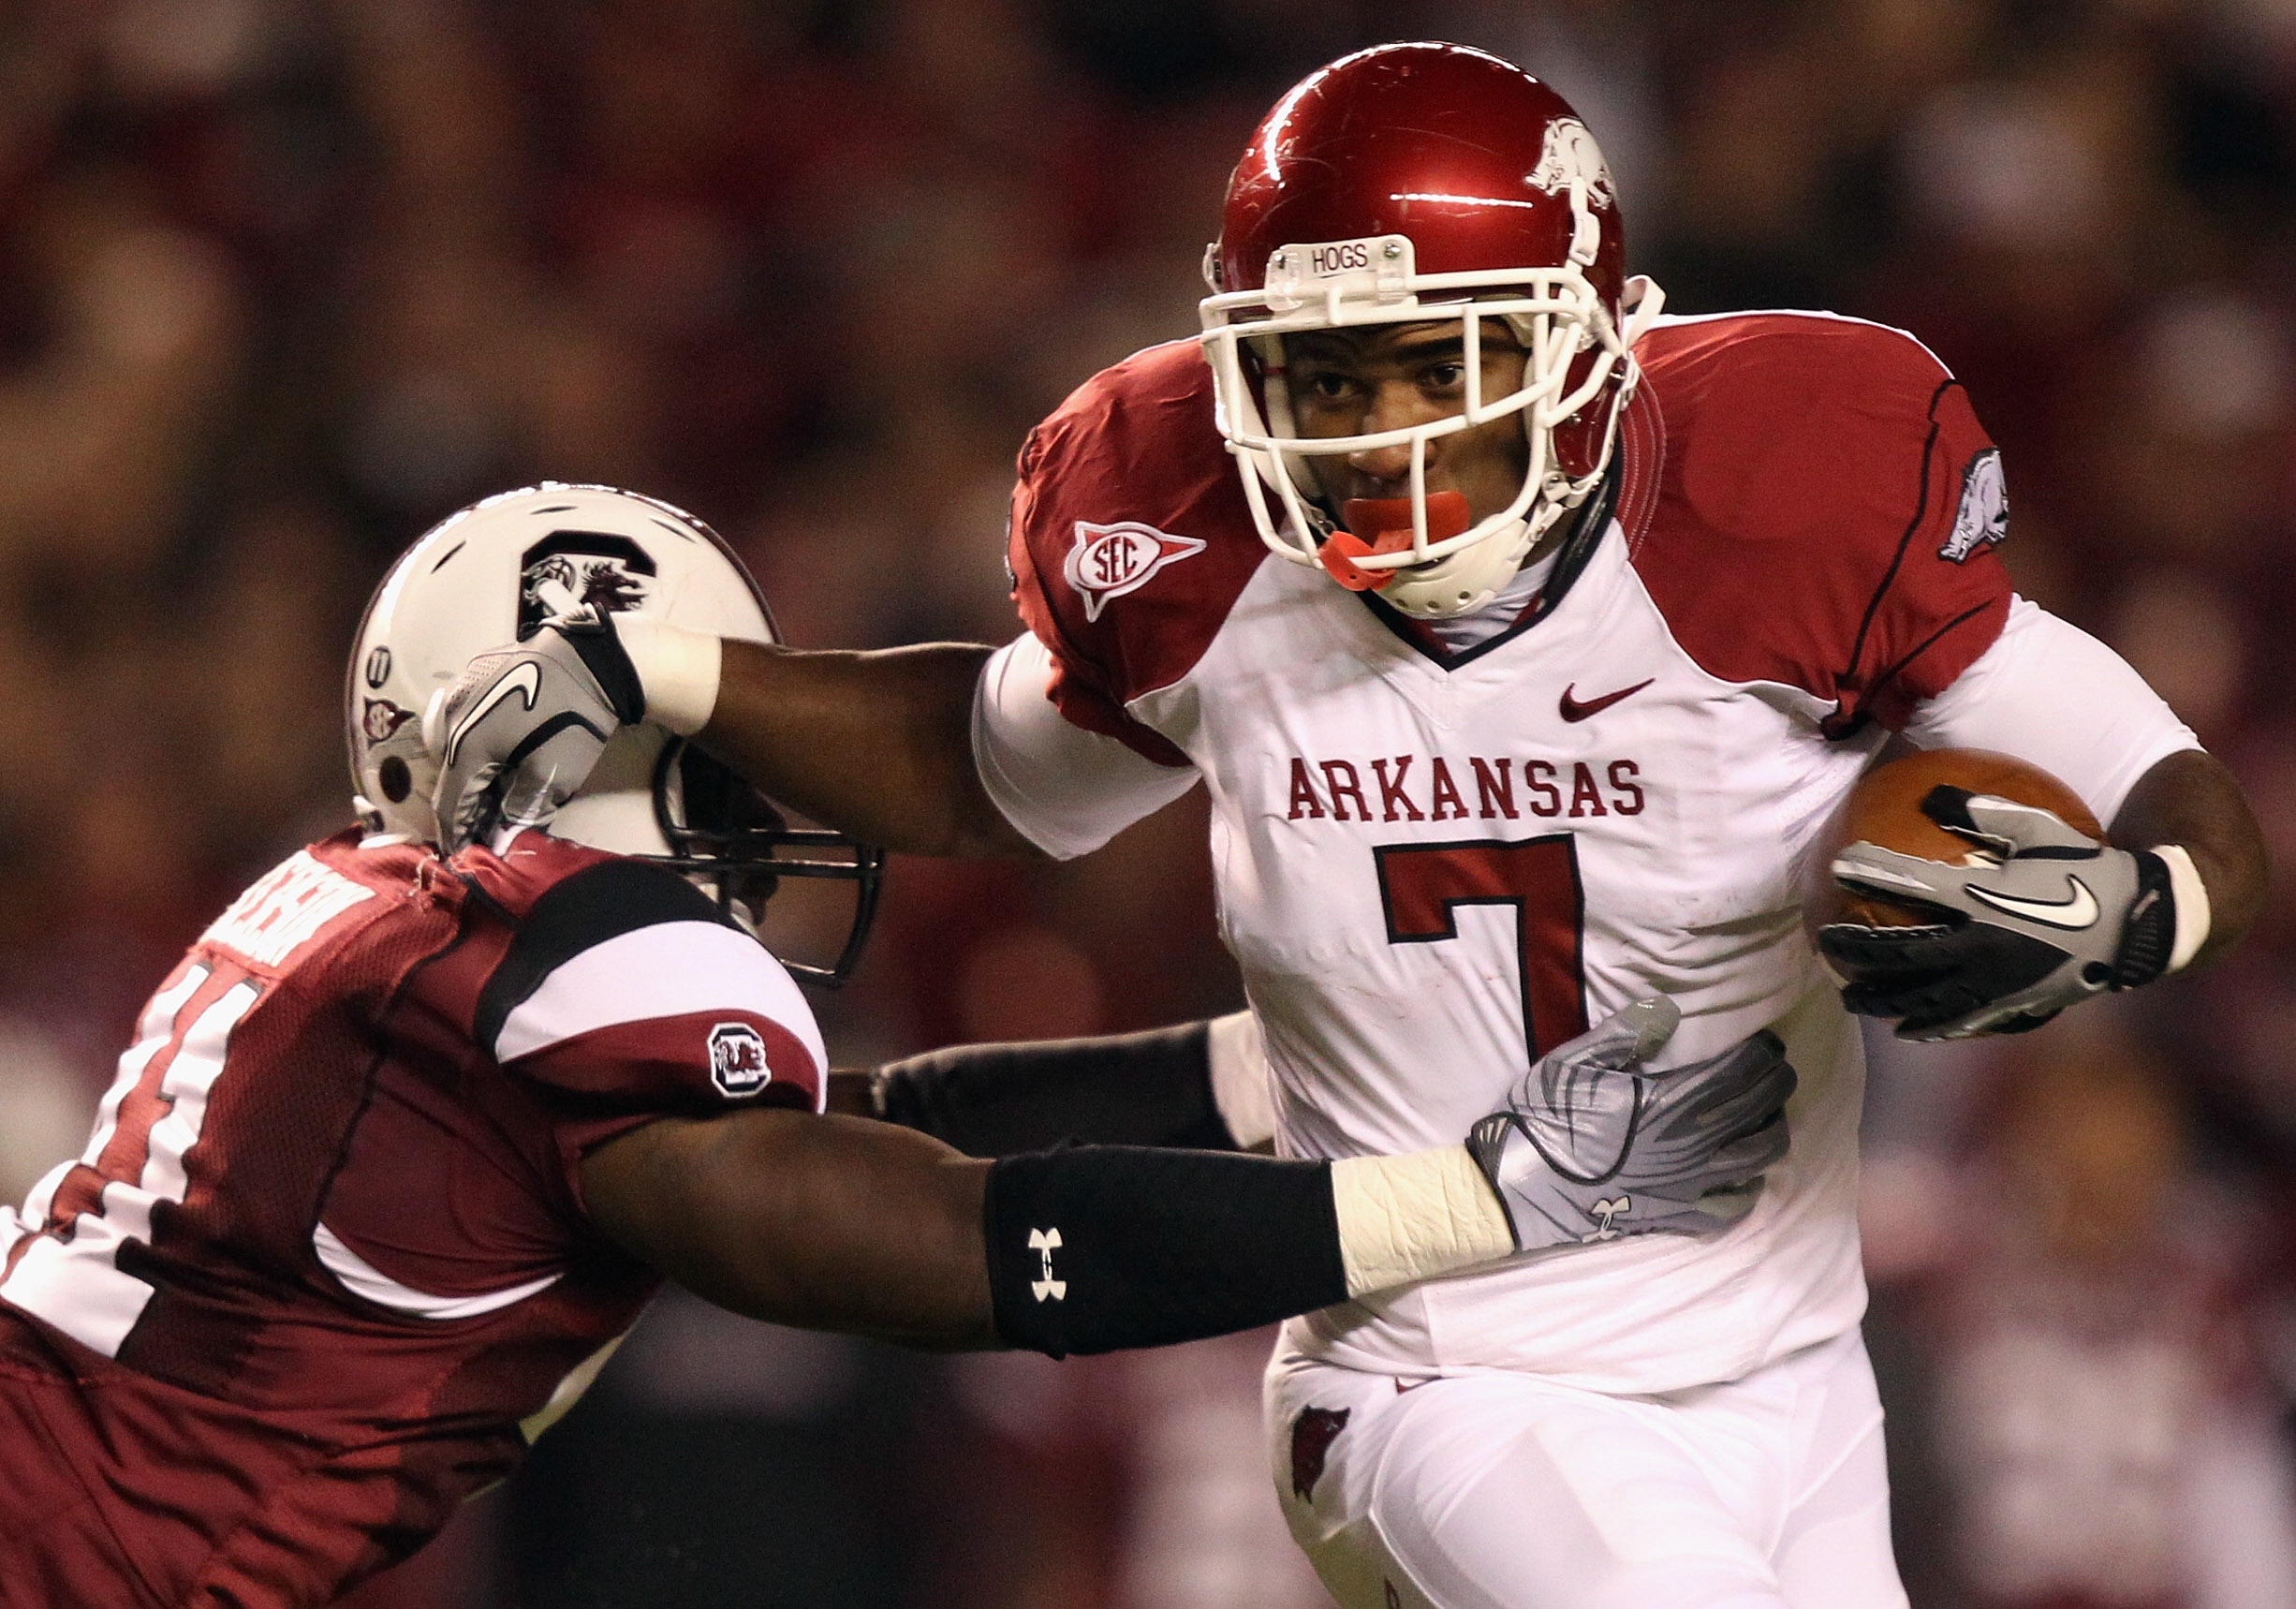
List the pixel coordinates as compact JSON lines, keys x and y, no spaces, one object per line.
{"x":1434,"y":866}
{"x":324,"y":1268}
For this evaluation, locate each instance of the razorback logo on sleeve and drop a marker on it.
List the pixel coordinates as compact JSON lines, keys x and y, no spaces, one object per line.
{"x":1109,"y":561}
{"x":1982,"y":518}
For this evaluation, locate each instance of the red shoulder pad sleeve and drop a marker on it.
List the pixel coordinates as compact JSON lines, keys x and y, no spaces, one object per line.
{"x":621,"y":996}
{"x":1131,"y":539}
{"x":1827,"y":510}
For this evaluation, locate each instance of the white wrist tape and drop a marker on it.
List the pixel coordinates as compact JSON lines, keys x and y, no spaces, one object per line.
{"x":1413,"y":1217}
{"x":2191,"y":905}
{"x":677,"y":668}
{"x":1240,"y":1079}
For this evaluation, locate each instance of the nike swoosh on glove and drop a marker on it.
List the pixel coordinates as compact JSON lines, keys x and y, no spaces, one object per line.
{"x":520,"y":733}
{"x":1592,"y":1147}
{"x":2044,"y":917}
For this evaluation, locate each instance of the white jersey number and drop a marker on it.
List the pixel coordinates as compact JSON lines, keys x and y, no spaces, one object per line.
{"x":66,"y":1269}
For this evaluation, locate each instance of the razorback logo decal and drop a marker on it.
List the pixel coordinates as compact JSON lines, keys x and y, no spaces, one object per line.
{"x":1570,"y":153}
{"x":1982,"y":518}
{"x":1108,"y":561}
{"x":1312,"y":1435}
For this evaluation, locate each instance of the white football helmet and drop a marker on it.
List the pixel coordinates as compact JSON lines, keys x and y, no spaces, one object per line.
{"x":492,"y":574}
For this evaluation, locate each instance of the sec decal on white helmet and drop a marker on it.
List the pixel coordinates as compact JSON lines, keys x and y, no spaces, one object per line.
{"x":1401,"y":184}
{"x":493,"y":573}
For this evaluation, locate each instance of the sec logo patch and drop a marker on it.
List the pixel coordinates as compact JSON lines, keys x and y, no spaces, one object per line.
{"x":1109,"y":561}
{"x":737,"y":1059}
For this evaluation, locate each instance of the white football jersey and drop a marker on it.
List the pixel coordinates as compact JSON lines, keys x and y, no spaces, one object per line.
{"x":1434,"y":866}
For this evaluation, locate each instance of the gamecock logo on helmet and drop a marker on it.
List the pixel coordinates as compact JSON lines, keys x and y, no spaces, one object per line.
{"x":1109,"y":561}
{"x":571,"y":568}
{"x":737,"y":1059}
{"x":1571,"y":154}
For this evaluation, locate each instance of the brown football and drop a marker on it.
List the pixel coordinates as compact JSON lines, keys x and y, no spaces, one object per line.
{"x":1885,"y":808}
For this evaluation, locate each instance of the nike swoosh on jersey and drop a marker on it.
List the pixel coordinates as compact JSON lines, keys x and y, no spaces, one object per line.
{"x":2077,"y":910}
{"x":527,"y":679}
{"x":1574,"y":711}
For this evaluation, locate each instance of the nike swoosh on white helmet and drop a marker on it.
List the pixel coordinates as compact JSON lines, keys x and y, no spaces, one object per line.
{"x":2075,"y":911}
{"x":525,"y":679}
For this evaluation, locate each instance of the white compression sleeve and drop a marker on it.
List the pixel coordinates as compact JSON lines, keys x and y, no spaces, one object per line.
{"x":2050,"y":693}
{"x":2191,"y":896}
{"x":1239,"y":1090}
{"x":1416,"y":1216}
{"x":677,"y":668}
{"x":1067,"y":789}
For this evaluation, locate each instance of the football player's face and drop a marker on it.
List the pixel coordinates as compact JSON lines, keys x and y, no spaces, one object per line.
{"x":1357,"y":382}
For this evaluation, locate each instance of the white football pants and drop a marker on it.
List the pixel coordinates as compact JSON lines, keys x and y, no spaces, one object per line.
{"x":1506,"y":1491}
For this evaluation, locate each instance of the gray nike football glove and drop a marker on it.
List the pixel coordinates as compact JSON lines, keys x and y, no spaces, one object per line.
{"x":1590,"y":1148}
{"x":2045,"y":917}
{"x":521,"y":732}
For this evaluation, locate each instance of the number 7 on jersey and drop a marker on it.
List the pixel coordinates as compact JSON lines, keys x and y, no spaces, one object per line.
{"x":1422,"y":886}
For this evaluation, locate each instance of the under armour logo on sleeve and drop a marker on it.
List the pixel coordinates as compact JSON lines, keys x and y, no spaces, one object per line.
{"x":1044,"y":1242}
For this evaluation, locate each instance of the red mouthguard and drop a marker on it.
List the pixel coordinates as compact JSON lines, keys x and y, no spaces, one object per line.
{"x":1388,"y":521}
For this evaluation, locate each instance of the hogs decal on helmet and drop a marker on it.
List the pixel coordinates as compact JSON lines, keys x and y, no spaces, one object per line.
{"x":1400,"y":185}
{"x":492,"y":573}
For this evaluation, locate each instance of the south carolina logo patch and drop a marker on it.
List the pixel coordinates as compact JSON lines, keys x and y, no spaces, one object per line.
{"x":737,"y":1059}
{"x":1108,"y":561}
{"x":1983,"y":519}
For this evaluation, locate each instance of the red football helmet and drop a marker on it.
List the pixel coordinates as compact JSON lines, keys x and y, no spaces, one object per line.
{"x":1397,"y":185}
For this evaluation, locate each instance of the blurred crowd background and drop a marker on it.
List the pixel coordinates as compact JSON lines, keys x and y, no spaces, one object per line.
{"x":284,"y":281}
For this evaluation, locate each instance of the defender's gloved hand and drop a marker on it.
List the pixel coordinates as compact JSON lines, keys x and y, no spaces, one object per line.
{"x":1591,"y":1148}
{"x":521,"y":732}
{"x":2047,"y":917}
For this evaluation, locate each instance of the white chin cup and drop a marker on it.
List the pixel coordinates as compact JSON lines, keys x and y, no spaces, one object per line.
{"x":1464,"y":582}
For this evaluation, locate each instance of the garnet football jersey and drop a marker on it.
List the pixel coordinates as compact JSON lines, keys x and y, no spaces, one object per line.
{"x":1434,"y":866}
{"x":324,"y":1267}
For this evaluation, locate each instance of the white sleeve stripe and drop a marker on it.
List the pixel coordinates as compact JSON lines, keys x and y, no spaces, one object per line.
{"x":363,"y":1278}
{"x":1066,"y":790}
{"x":668,"y":970}
{"x":2017,"y":696}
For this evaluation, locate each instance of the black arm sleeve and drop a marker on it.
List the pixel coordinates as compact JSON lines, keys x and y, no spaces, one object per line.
{"x":1151,"y":1088}
{"x":1105,"y":1246}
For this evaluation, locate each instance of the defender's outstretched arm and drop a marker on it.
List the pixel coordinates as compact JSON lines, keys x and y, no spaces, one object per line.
{"x":833,"y":1222}
{"x":878,"y":745}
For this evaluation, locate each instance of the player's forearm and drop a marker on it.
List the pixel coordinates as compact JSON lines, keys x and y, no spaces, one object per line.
{"x":2191,"y":800}
{"x":832,"y":1223}
{"x":878,"y":745}
{"x":1152,"y":1088}
{"x":821,"y":1223}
